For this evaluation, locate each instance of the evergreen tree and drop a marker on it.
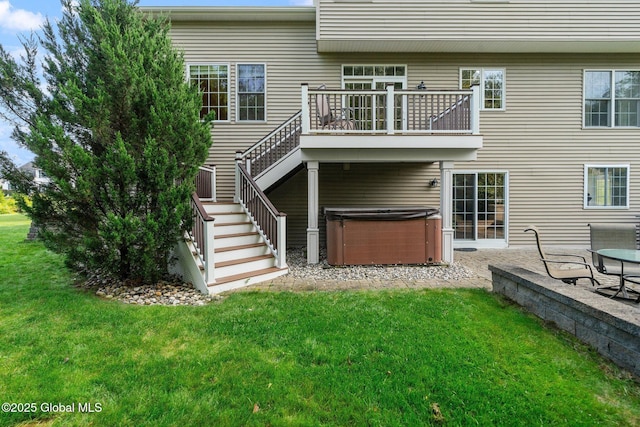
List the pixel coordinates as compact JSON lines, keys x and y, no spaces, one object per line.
{"x":118,"y":131}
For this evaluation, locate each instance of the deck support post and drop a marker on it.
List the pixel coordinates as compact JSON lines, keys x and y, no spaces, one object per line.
{"x":313,"y":232}
{"x":446,"y":210}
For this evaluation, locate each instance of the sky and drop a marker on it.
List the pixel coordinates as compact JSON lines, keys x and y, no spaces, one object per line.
{"x":20,"y":17}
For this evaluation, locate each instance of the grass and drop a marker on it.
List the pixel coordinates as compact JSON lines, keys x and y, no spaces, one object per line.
{"x":445,"y":357}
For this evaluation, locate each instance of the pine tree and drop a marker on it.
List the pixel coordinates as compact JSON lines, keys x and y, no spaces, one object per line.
{"x":117,"y":130}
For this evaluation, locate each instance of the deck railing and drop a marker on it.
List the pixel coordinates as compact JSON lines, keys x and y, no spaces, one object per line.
{"x":390,"y":111}
{"x":270,"y":223}
{"x":274,"y":146}
{"x":206,"y":183}
{"x":201,"y":235}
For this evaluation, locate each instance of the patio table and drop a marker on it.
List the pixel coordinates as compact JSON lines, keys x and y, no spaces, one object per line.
{"x":624,"y":256}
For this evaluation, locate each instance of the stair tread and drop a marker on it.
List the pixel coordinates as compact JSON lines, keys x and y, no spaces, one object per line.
{"x":222,"y":216}
{"x":247,"y":246}
{"x":243,"y":260}
{"x":228,"y":236}
{"x":246,"y":275}
{"x":223,"y":224}
{"x":221,"y":203}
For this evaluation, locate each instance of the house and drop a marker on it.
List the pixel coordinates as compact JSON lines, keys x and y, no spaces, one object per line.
{"x":39,"y":177}
{"x":517,"y":111}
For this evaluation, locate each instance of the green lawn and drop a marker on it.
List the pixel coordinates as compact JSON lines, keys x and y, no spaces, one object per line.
{"x":392,"y":358}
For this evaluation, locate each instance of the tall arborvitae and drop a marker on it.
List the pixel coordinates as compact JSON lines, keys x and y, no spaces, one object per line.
{"x":117,"y":130}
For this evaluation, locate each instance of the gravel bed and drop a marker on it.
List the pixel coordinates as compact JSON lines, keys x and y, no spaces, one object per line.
{"x":174,"y":292}
{"x":299,"y":269}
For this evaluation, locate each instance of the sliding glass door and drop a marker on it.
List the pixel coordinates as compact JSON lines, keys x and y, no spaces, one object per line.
{"x":479,"y":208}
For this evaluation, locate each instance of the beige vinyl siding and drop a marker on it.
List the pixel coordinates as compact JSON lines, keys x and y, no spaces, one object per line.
{"x":289,"y":52}
{"x":473,"y":20}
{"x":538,"y":139}
{"x":355,"y":185}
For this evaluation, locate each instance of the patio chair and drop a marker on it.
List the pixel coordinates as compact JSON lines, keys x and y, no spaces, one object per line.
{"x":569,"y":271}
{"x":331,"y":118}
{"x":612,"y":236}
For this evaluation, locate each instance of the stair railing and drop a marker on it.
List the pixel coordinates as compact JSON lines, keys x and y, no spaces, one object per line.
{"x":206,"y":183}
{"x":274,"y":146}
{"x":456,"y":116}
{"x":201,"y":235}
{"x":271,"y":223}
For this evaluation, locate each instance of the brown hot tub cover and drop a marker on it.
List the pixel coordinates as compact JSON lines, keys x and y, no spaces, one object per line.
{"x":383,"y":235}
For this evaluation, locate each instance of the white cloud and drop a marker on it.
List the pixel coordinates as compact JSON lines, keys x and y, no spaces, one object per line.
{"x":18,"y":19}
{"x":301,"y":2}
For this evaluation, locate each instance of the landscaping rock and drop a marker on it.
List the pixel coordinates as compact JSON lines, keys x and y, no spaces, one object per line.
{"x":171,"y":292}
{"x":299,"y":269}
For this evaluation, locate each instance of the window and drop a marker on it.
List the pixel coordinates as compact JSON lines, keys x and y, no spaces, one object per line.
{"x":213,"y":81}
{"x":251,"y":89}
{"x":606,"y":186}
{"x":374,"y":71}
{"x":491,"y":83}
{"x":611,"y":98}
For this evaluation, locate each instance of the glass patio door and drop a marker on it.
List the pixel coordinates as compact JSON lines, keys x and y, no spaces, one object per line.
{"x":479,"y":208}
{"x":368,"y":110}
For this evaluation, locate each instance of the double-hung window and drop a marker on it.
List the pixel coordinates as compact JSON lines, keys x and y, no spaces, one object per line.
{"x":213,"y":82}
{"x":611,"y":98}
{"x":251,"y":92}
{"x":491,"y":82}
{"x":606,"y":186}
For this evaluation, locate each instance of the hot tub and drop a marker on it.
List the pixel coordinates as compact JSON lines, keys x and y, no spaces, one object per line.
{"x":383,"y":235}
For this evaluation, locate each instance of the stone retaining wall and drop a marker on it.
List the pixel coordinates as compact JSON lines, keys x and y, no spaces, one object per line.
{"x":611,"y":327}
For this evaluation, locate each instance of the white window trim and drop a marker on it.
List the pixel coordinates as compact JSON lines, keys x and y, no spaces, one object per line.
{"x":482,"y":70}
{"x":586,"y":185}
{"x":188,"y":65}
{"x":395,"y":79}
{"x":237,"y":112}
{"x":612,"y":99}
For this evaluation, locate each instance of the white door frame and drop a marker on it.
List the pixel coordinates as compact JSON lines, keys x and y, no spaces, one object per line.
{"x":485,"y":243}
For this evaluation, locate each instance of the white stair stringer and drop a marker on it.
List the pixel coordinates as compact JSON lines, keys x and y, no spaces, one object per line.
{"x":241,"y":255}
{"x":282,"y":167}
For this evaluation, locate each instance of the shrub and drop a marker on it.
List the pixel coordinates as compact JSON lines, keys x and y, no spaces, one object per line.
{"x":7,"y":204}
{"x":118,"y":132}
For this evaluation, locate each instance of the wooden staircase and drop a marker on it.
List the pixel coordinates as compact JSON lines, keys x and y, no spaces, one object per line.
{"x":241,"y":256}
{"x":224,"y":250}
